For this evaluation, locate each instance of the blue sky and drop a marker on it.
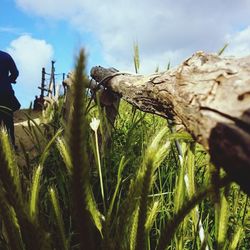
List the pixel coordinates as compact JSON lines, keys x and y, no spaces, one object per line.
{"x":36,"y":32}
{"x":63,"y":40}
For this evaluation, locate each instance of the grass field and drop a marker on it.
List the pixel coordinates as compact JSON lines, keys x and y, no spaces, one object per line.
{"x":137,"y":185}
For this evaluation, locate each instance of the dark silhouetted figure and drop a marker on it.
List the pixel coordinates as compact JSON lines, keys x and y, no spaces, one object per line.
{"x":38,"y":103}
{"x":8,"y":101}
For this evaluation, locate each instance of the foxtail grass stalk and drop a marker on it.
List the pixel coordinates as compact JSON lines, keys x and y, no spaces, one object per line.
{"x":33,"y":235}
{"x":11,"y":224}
{"x":153,"y":158}
{"x":136,"y":58}
{"x":236,"y":238}
{"x":133,"y":230}
{"x":221,"y":51}
{"x":33,"y":206}
{"x":10,"y":183}
{"x":137,"y":195}
{"x":137,"y":67}
{"x":245,"y":211}
{"x":34,"y":193}
{"x":152,"y":213}
{"x":169,"y":65}
{"x":143,"y":207}
{"x":77,"y":144}
{"x":64,"y":152}
{"x":9,"y":156}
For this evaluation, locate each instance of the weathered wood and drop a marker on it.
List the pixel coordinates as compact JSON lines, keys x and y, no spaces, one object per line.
{"x":208,"y":94}
{"x":108,"y":100}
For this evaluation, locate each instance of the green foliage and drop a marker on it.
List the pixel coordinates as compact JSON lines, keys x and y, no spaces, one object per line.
{"x":34,"y":193}
{"x":62,"y":241}
{"x":77,"y":144}
{"x":141,"y":200}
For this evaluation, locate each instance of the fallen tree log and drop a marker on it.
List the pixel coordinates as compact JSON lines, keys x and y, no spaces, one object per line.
{"x":208,"y":94}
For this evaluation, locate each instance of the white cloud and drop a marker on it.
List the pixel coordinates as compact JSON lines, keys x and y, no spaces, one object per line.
{"x":163,"y":29}
{"x":11,"y":30}
{"x":30,"y":55}
{"x":239,"y":43}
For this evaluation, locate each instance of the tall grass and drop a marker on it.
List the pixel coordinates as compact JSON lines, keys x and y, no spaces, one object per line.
{"x":140,"y":193}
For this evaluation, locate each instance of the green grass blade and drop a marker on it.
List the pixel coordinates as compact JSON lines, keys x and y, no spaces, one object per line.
{"x":136,"y":58}
{"x":180,"y":190}
{"x":169,"y":65}
{"x":136,"y":197}
{"x":100,"y":170}
{"x":222,"y":221}
{"x":63,"y":244}
{"x":31,"y":120}
{"x":190,"y":169}
{"x":97,"y":217}
{"x":170,"y":228}
{"x":221,"y":51}
{"x":45,"y":153}
{"x":118,"y":183}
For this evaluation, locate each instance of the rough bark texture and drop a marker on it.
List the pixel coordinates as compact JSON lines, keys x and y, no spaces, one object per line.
{"x":208,"y":94}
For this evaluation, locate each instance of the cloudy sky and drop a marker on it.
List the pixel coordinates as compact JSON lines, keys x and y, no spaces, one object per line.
{"x":36,"y":32}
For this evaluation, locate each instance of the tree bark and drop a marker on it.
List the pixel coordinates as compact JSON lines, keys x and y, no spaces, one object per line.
{"x":208,"y":94}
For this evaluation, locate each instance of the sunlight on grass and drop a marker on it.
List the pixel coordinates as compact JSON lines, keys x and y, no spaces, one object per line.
{"x":136,"y":184}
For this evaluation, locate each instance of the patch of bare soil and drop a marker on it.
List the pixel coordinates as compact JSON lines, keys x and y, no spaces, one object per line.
{"x":22,"y":135}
